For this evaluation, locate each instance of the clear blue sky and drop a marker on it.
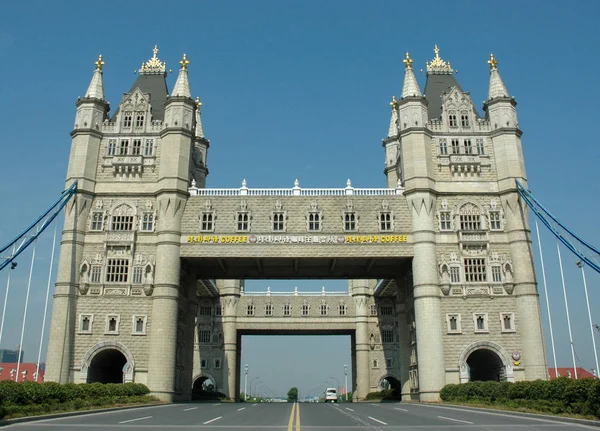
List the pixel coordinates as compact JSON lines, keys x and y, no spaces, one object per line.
{"x":300,"y":89}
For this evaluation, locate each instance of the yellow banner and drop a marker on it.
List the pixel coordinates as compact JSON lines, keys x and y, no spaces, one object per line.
{"x":296,"y":239}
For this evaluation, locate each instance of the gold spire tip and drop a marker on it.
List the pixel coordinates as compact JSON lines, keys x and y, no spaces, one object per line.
{"x":394,"y":102}
{"x":493,"y":62}
{"x":184,"y":62}
{"x":99,"y":63}
{"x":198,"y":103}
{"x":408,"y":61}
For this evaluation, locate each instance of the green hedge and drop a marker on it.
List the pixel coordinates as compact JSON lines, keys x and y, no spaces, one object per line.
{"x":386,"y":394}
{"x":561,"y":395}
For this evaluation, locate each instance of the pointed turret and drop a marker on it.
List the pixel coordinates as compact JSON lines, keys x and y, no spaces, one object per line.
{"x":411,"y":86}
{"x":199,"y":131}
{"x":96,"y":88}
{"x":497,"y":87}
{"x":393,"y":130}
{"x":182,"y":85}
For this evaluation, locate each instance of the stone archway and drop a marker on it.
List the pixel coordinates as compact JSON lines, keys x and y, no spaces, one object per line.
{"x":203,"y":383}
{"x":107,"y":362}
{"x":393,"y":383}
{"x":485,"y":360}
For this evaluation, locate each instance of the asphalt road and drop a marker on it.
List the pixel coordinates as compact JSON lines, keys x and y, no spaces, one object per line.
{"x":303,"y":416}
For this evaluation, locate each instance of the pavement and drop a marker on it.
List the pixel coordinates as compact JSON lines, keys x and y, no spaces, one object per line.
{"x":305,"y":416}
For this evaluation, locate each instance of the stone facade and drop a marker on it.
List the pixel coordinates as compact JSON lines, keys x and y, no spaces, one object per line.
{"x":439,"y":263}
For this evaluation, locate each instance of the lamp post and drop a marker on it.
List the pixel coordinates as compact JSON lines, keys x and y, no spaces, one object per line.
{"x":246,"y":382}
{"x":258,"y":377}
{"x":346,"y":382}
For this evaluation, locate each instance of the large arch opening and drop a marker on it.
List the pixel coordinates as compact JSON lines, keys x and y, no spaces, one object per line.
{"x":394,"y":387}
{"x":204,"y":387}
{"x":107,"y":366}
{"x":485,"y":365}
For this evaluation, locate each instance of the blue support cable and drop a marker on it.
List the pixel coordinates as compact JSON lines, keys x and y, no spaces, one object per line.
{"x":27,"y":236}
{"x":543,"y":214}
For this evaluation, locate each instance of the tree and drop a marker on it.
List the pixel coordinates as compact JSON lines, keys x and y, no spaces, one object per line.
{"x":292,"y":395}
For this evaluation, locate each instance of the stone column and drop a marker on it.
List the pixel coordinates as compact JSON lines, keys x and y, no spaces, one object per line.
{"x":163,"y":325}
{"x":191,"y":308}
{"x":403,"y":322}
{"x":528,"y":316}
{"x":361,"y":293}
{"x":62,"y":327}
{"x":230,"y":295}
{"x":426,"y":292}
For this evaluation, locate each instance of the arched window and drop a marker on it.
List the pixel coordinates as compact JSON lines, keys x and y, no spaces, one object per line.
{"x":470,"y":217}
{"x":122,"y":218}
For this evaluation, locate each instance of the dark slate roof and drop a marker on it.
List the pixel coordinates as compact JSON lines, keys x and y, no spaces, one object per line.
{"x":434,"y":87}
{"x":156,"y":86}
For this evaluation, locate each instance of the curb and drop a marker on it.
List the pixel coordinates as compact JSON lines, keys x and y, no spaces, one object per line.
{"x":595,"y":423}
{"x":5,"y":422}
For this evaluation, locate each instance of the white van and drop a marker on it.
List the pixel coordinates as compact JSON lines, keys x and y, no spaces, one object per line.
{"x":331,"y":395}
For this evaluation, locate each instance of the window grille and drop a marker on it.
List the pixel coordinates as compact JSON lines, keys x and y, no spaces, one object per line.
{"x":149,"y":148}
{"x":452,"y":120}
{"x":323,"y":309}
{"x":373,"y":310}
{"x":470,"y":222}
{"x":97,"y":221}
{"x":123,"y":147}
{"x":269,"y":309}
{"x":314,"y":222}
{"x":443,"y":147}
{"x":385,"y":222}
{"x":495,"y":220}
{"x":127,"y":119}
{"x":480,"y":146}
{"x":136,"y":148}
{"x":496,"y":274}
{"x":112,"y":147}
{"x":454,"y":274}
{"x":95,"y":274}
{"x":305,"y":309}
{"x":204,"y":336}
{"x":250,"y":310}
{"x":387,"y":335}
{"x":445,"y":221}
{"x":464,"y":120}
{"x":287,"y":310}
{"x":122,"y":223}
{"x":468,"y":146}
{"x":137,"y":275}
{"x":475,"y":270}
{"x":148,"y":222}
{"x":342,"y":309}
{"x":205,"y":310}
{"x":278,"y":222}
{"x":350,"y":222}
{"x":117,"y":270}
{"x":455,"y":146}
{"x":387,"y":310}
{"x":242,"y":222}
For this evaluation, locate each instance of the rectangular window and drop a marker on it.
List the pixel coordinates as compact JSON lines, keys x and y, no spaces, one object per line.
{"x":139,"y":324}
{"x":278,"y":222}
{"x":452,"y":120}
{"x":342,"y":309}
{"x":314,"y":222}
{"x":136,"y":148}
{"x":117,"y":270}
{"x":475,"y":270}
{"x":454,"y":274}
{"x":95,"y":274}
{"x":305,"y":309}
{"x":202,"y":363}
{"x":468,"y":146}
{"x":112,"y":324}
{"x":242,"y":222}
{"x":470,"y":222}
{"x":496,"y":273}
{"x":495,"y":220}
{"x":207,"y":222}
{"x":480,"y":322}
{"x":204,"y":336}
{"x":508,"y":322}
{"x":123,"y":147}
{"x":389,"y":362}
{"x":323,"y":309}
{"x":205,"y":309}
{"x":121,"y":223}
{"x":149,"y":148}
{"x":139,"y":120}
{"x":85,"y":323}
{"x":269,"y":309}
{"x":464,"y":119}
{"x":373,"y":310}
{"x":250,"y":310}
{"x":453,"y":323}
{"x":385,"y":222}
{"x":480,"y":146}
{"x":443,"y":147}
{"x":287,"y":310}
{"x":127,"y":118}
{"x":217,"y":364}
{"x":387,"y":335}
{"x":111,"y":150}
{"x":218,"y":310}
{"x":147,"y":222}
{"x":455,"y":146}
{"x":138,"y":272}
{"x":350,"y":221}
{"x":387,"y":310}
{"x":445,"y":221}
{"x":97,"y":221}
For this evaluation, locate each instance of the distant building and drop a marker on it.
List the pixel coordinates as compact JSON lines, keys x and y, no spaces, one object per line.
{"x":27,"y":372}
{"x":570,"y":373}
{"x":7,"y":355}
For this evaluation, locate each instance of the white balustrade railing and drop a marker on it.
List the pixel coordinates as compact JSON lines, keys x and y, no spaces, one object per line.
{"x":295,"y":191}
{"x":268,"y":292}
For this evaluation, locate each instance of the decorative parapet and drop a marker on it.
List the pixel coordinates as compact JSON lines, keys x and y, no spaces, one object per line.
{"x":268,"y":292}
{"x":296,"y":191}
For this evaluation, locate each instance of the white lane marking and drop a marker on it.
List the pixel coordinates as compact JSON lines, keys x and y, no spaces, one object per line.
{"x":455,"y":420}
{"x":217,"y":404}
{"x":137,"y":419}
{"x":349,"y":409}
{"x":110,"y":412}
{"x":254,"y":405}
{"x":191,"y":408}
{"x":402,"y":410}
{"x":377,"y":420}
{"x":212,"y":420}
{"x":243,"y":408}
{"x":376,"y":405}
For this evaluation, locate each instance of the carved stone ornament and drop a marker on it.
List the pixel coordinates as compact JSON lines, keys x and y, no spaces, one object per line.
{"x":509,"y":288}
{"x":445,"y":288}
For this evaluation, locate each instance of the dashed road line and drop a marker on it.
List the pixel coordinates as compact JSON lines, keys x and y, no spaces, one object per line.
{"x":377,"y":420}
{"x":243,"y":408}
{"x":212,"y":420}
{"x":217,"y":404}
{"x":402,"y":410}
{"x":347,"y":408}
{"x":136,"y":419}
{"x":191,"y":408}
{"x":253,"y":405}
{"x":455,"y":420}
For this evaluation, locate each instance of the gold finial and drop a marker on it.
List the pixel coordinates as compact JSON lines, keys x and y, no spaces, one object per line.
{"x":198,"y":103}
{"x":154,"y":65}
{"x":99,"y":63}
{"x":184,"y":62}
{"x":437,"y":65}
{"x":493,"y":62}
{"x":155,"y":51}
{"x":394,"y":102}
{"x":436,"y":50}
{"x":408,"y":61}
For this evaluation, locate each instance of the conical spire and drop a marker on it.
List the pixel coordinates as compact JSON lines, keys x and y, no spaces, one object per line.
{"x":497,"y":87}
{"x":393,"y":130}
{"x":182,"y":85}
{"x":199,"y":132}
{"x":96,"y":88}
{"x":411,"y":86}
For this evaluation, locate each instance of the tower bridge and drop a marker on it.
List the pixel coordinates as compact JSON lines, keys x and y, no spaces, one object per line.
{"x":441,"y":286}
